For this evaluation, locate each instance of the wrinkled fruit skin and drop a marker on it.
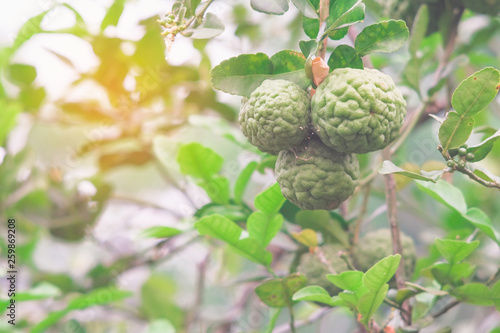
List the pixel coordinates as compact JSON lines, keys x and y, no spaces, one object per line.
{"x":312,"y":176}
{"x":276,"y":116}
{"x":377,"y":245}
{"x":357,"y":111}
{"x":315,"y":270}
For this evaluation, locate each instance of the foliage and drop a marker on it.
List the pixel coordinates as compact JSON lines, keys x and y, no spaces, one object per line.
{"x":139,"y":204}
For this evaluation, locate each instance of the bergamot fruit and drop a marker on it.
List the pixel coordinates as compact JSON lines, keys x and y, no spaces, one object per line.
{"x":376,"y":245}
{"x":276,"y":116}
{"x":316,"y":266}
{"x":313,"y":176}
{"x":357,"y":111}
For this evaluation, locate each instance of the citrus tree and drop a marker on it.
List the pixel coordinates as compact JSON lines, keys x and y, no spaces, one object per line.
{"x":341,"y":177}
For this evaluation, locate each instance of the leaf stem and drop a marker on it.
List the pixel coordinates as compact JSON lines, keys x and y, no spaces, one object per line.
{"x":200,"y":14}
{"x":324,"y":11}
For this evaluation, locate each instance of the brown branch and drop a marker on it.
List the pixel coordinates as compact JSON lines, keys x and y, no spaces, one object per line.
{"x":324,"y":11}
{"x":200,"y":286}
{"x":362,"y":212}
{"x":284,"y":328}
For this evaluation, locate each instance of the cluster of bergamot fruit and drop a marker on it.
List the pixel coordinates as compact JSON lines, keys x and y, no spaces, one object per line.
{"x":371,"y":248}
{"x":353,"y":111}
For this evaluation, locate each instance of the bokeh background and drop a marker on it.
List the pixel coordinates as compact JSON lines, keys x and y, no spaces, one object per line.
{"x":92,"y":111}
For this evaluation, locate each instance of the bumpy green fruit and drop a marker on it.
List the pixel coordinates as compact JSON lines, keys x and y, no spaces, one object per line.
{"x":312,"y":176}
{"x":276,"y":116}
{"x":315,"y":269}
{"x":357,"y":111}
{"x":377,"y":245}
{"x":490,"y":7}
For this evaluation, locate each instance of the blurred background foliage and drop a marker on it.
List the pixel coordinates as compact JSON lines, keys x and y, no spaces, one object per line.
{"x":93,"y":110}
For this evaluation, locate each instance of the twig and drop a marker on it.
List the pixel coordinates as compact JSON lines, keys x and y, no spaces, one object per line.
{"x":145,"y":203}
{"x":445,"y":309}
{"x":324,"y":11}
{"x":361,"y":215}
{"x":408,"y":127}
{"x":200,"y":286}
{"x":390,"y":194}
{"x":284,"y":328}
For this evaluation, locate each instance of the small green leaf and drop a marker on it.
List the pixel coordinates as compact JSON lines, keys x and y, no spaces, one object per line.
{"x":385,"y":36}
{"x":344,"y":14}
{"x":306,"y":7}
{"x":313,"y":294}
{"x":451,"y":273}
{"x":29,"y":29}
{"x":348,"y":280}
{"x":276,"y":7}
{"x":270,"y":200}
{"x":160,"y":232}
{"x":113,"y":14}
{"x":411,"y":74}
{"x":198,"y":161}
{"x":253,"y":251}
{"x":263,"y":227}
{"x":21,"y":74}
{"x":219,"y":227}
{"x":349,"y":298}
{"x":455,"y":250}
{"x":278,"y":292}
{"x":370,"y":302}
{"x":482,"y":149}
{"x":8,"y":117}
{"x":242,"y":181}
{"x":307,"y":237}
{"x":41,"y":291}
{"x":480,"y":220}
{"x":211,"y":26}
{"x":241,"y":75}
{"x":445,"y":193}
{"x":389,"y":168}
{"x":455,"y":130}
{"x":217,"y":188}
{"x":477,"y":294}
{"x":307,"y":46}
{"x":344,"y":56}
{"x":419,"y":29}
{"x":381,"y":272}
{"x":476,"y":92}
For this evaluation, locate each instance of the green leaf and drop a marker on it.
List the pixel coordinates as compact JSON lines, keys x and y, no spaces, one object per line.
{"x":278,"y":292}
{"x":455,"y":130}
{"x":211,"y":26}
{"x":482,"y":149}
{"x":198,"y":161}
{"x":445,"y":193}
{"x":389,"y":168}
{"x":21,"y":74}
{"x":455,"y":250}
{"x":385,"y":36}
{"x":344,"y":14}
{"x":480,"y":220}
{"x":306,"y":7}
{"x":476,"y":92}
{"x":451,"y":273}
{"x":276,"y":7}
{"x":418,"y":29}
{"x":113,"y":14}
{"x":349,"y":298}
{"x":157,"y":296}
{"x":313,"y":294}
{"x":348,"y":280}
{"x":381,"y":272}
{"x":8,"y":117}
{"x":477,"y":294}
{"x":270,"y":200}
{"x":287,"y":61}
{"x":160,"y":232}
{"x":320,"y":220}
{"x":42,"y":291}
{"x":217,"y":188}
{"x":263,"y":227}
{"x":370,"y":302}
{"x":96,"y":297}
{"x":29,"y":29}
{"x":219,"y":227}
{"x":242,"y":181}
{"x":411,"y":74}
{"x":241,"y":75}
{"x":344,"y":56}
{"x":307,"y":46}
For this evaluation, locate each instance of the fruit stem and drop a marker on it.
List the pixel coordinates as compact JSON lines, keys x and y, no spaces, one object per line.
{"x":324,"y":11}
